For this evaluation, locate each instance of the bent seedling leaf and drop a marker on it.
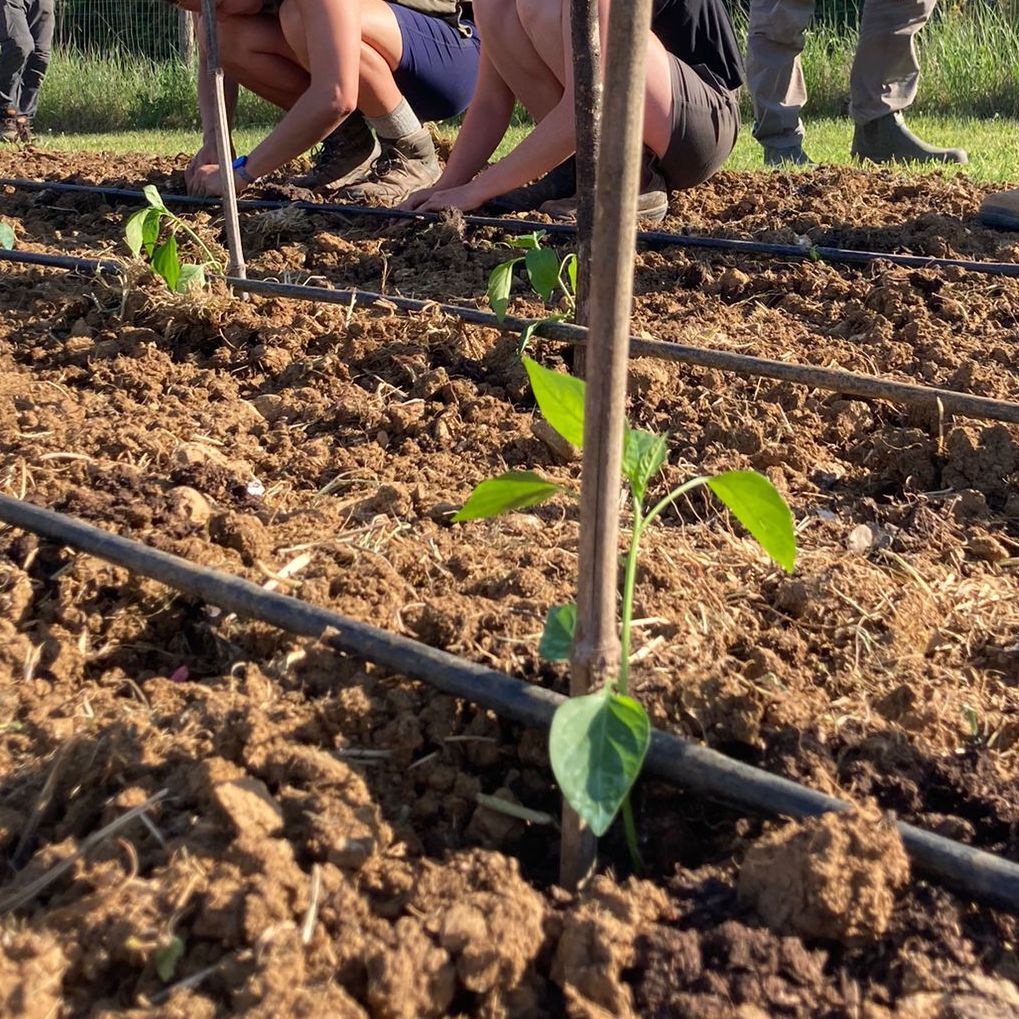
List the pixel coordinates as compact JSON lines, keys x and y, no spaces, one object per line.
{"x":644,"y":454}
{"x":560,"y":399}
{"x":8,"y":239}
{"x":510,"y":491}
{"x":500,"y":282}
{"x":557,"y":637}
{"x":597,"y":745}
{"x":755,"y":502}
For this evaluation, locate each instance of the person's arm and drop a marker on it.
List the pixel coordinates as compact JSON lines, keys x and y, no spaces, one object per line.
{"x":551,"y":141}
{"x":484,"y":126}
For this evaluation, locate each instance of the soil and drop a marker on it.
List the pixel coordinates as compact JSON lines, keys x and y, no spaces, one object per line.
{"x":320,"y":849}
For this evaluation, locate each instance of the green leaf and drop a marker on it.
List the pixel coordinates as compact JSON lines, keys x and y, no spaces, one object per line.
{"x":527,"y":335}
{"x":510,"y":491}
{"x":153,"y":197}
{"x":597,"y":746}
{"x":570,"y":265}
{"x":8,"y":239}
{"x":644,"y":453}
{"x":543,"y":271}
{"x":527,"y":242}
{"x":166,"y":263}
{"x":500,"y":282}
{"x":192,"y":277}
{"x":134,"y":231}
{"x":167,"y":957}
{"x":557,"y":638}
{"x":757,"y":505}
{"x":561,"y":400}
{"x":150,"y":230}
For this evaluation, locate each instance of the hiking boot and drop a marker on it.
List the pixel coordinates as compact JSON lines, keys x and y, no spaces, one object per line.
{"x":790,"y":155}
{"x":9,"y":126}
{"x":652,"y":203}
{"x":1000,"y":210}
{"x":888,"y":140}
{"x":556,"y":184}
{"x":343,"y":157}
{"x":24,"y":130}
{"x":405,"y":165}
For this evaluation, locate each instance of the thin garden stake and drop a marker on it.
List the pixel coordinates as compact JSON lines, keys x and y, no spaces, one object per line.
{"x":223,"y":148}
{"x":596,"y":652}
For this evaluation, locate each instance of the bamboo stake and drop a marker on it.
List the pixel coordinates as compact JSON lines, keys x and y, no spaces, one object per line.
{"x":223,"y":151}
{"x":587,"y":115}
{"x":596,"y":648}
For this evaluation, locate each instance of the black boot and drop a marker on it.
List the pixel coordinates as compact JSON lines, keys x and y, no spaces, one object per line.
{"x":558,"y":183}
{"x":888,"y":140}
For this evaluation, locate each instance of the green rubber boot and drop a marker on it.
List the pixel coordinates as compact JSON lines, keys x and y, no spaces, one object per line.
{"x":1001,"y":210}
{"x":888,"y":140}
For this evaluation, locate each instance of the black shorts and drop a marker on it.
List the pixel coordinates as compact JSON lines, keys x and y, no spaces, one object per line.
{"x":705,"y":125}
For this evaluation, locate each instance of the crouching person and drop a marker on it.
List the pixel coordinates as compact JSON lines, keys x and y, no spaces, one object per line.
{"x":359,"y":76}
{"x":694,"y":71}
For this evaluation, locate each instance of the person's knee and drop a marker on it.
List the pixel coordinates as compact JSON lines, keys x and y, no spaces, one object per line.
{"x":232,"y":43}
{"x":781,"y":21}
{"x":539,"y":17}
{"x":18,"y":46}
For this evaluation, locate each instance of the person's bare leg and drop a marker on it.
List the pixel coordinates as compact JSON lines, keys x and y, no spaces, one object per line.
{"x":516,"y":59}
{"x":255,"y":54}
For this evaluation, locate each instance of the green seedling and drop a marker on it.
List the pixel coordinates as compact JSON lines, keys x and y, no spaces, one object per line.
{"x":598,"y":742}
{"x":546,"y":275}
{"x":142,"y":234}
{"x":8,"y":239}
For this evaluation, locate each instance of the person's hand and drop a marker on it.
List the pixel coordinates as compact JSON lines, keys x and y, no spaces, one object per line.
{"x":207,"y":182}
{"x":202,"y":159}
{"x":465,"y":198}
{"x":415,"y":200}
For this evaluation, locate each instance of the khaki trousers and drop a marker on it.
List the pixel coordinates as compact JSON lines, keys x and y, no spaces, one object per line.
{"x":885,"y":72}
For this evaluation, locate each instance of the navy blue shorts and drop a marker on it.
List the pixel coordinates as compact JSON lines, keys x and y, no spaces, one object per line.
{"x":439,"y":64}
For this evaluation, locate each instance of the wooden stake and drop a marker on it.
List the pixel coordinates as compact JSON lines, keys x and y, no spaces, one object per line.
{"x":596,"y":651}
{"x":236,"y":268}
{"x":587,"y":113}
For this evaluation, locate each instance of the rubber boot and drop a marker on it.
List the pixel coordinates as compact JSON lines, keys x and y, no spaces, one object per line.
{"x":889,"y":140}
{"x":345,"y":155}
{"x":1001,"y":210}
{"x":405,"y":165}
{"x":790,"y":155}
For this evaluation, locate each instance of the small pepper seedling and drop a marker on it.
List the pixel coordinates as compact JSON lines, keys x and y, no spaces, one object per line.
{"x":142,"y":232}
{"x":545,"y":273}
{"x":598,"y":742}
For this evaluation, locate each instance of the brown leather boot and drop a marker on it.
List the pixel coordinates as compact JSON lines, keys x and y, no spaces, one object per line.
{"x":344,"y":156}
{"x":9,"y":126}
{"x":405,"y":165}
{"x":652,"y":203}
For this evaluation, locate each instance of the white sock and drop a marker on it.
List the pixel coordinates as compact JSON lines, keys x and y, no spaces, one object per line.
{"x":396,"y":124}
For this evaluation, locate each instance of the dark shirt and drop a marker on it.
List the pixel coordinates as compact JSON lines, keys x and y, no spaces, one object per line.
{"x":700,"y":33}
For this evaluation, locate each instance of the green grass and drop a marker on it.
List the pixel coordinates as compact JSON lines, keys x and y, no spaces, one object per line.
{"x":992,"y":144}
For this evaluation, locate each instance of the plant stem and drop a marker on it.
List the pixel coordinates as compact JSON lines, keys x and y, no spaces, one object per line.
{"x":629,"y":582}
{"x":665,"y":503}
{"x":630,"y":828}
{"x":210,"y":258}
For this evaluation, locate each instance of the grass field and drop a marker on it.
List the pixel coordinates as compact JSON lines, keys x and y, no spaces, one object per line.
{"x":993,"y":144}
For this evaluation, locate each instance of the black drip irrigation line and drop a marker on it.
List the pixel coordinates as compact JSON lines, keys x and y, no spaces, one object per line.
{"x":649,"y":238}
{"x":836,"y":380}
{"x":977,"y":874}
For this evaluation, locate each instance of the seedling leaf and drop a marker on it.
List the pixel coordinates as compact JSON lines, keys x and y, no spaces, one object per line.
{"x":597,"y":745}
{"x":500,"y":282}
{"x":557,"y":638}
{"x":757,"y":505}
{"x":167,"y":957}
{"x":134,"y":231}
{"x":644,"y":453}
{"x":166,"y":262}
{"x":528,"y":242}
{"x":153,"y":197}
{"x":192,"y":277}
{"x":561,"y":400}
{"x":510,"y":491}
{"x":527,"y":335}
{"x":8,"y":239}
{"x":570,"y":265}
{"x":543,"y":271}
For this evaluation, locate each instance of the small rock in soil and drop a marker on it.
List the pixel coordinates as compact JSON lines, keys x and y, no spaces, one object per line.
{"x":250,"y":807}
{"x":562,"y":451}
{"x":833,"y":876}
{"x":189,"y":504}
{"x":861,"y":539}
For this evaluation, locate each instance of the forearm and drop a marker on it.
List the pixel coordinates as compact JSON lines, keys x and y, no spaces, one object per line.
{"x":309,"y":120}
{"x":484,"y":126}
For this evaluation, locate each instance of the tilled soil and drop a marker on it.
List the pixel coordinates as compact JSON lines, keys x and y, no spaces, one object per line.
{"x":321,"y":849}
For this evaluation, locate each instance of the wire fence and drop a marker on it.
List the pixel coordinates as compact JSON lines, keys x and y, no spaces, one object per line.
{"x":152,"y":29}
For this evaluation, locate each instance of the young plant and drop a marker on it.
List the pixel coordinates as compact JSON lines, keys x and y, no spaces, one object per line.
{"x":8,"y":239}
{"x":598,"y":742}
{"x":546,"y":274}
{"x":142,"y":233}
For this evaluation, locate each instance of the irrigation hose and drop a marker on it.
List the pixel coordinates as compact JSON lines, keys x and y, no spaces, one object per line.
{"x":649,"y":238}
{"x":979,"y":875}
{"x":866,"y":387}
